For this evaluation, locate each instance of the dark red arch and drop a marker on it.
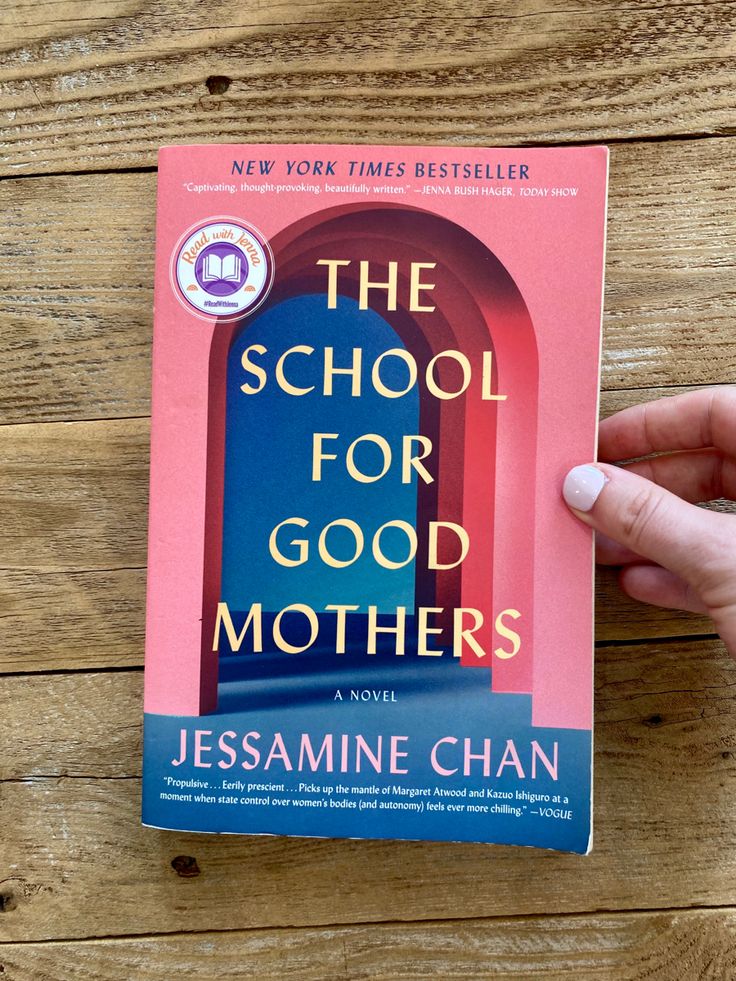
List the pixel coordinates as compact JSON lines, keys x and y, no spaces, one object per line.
{"x":478,"y":308}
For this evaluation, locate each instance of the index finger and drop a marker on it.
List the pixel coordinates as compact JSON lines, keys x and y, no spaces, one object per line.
{"x":689,"y":421}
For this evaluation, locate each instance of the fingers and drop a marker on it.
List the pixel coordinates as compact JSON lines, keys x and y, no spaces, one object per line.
{"x":609,"y":552}
{"x":724,"y":619}
{"x":694,"y":475}
{"x":647,"y":519}
{"x":681,"y":422}
{"x":653,"y":584}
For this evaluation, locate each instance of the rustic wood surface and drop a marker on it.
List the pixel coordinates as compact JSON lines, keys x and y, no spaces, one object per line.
{"x":76,"y":282}
{"x":79,"y":865}
{"x":87,"y":94}
{"x":101,"y":86}
{"x":595,"y":947}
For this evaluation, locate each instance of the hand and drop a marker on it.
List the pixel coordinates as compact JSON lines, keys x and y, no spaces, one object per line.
{"x":673,"y":553}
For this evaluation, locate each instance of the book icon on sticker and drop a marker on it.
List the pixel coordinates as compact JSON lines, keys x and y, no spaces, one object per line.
{"x":222,"y":268}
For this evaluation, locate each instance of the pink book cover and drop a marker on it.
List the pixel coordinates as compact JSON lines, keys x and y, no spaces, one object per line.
{"x":369,"y":612}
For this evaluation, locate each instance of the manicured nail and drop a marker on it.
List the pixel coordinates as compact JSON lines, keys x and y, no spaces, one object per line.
{"x":582,"y":487}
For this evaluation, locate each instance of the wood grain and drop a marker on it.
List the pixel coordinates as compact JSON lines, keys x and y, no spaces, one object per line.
{"x":64,"y":620}
{"x":687,"y":945}
{"x":54,"y":621}
{"x":76,"y":298}
{"x":76,"y":283}
{"x":71,"y":620}
{"x":88,"y":89}
{"x":86,"y":726}
{"x":76,"y":317}
{"x":74,"y":851}
{"x":74,"y":549}
{"x":101,"y":87}
{"x":75,"y":496}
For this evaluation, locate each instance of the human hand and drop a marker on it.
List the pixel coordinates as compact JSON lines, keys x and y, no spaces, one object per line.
{"x":673,"y":554}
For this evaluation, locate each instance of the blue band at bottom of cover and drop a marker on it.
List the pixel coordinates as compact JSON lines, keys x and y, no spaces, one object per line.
{"x":466,"y":768}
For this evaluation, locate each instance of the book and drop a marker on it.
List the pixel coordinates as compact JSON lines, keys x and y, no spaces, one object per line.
{"x":369,"y":611}
{"x":226,"y":268}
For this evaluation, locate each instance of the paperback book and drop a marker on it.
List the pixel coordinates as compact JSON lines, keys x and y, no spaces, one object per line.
{"x":369,"y":612}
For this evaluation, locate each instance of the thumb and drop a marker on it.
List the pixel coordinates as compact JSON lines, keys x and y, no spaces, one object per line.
{"x":645,"y":518}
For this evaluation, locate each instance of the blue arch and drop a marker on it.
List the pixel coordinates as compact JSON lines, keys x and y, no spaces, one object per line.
{"x":268,"y":464}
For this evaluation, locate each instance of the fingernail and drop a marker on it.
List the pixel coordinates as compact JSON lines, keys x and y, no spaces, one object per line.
{"x":582,"y":487}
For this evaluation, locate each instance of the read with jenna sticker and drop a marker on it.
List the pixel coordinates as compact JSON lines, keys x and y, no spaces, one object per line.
{"x":369,"y":612}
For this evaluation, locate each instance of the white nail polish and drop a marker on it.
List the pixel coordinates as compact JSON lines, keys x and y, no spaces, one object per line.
{"x":582,"y":486}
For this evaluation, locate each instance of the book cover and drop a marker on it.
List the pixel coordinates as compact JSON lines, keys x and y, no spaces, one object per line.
{"x":369,"y":612}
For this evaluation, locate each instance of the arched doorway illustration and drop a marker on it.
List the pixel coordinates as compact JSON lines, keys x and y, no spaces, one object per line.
{"x":486,"y":449}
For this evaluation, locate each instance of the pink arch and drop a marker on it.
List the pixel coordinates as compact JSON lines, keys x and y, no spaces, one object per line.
{"x":478,"y":308}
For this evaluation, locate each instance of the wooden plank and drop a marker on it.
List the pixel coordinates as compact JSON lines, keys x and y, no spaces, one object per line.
{"x":95,"y":619}
{"x":101,"y":89}
{"x":661,"y":946}
{"x":74,"y":549}
{"x":84,"y":620}
{"x":75,"y":495}
{"x":63,"y":620}
{"x":76,"y":298}
{"x":91,"y":726}
{"x":78,"y":864}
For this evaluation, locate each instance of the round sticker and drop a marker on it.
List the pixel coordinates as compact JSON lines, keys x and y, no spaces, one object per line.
{"x":222,"y":268}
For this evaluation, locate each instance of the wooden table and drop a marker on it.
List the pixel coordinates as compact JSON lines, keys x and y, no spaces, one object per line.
{"x":87,"y":93}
